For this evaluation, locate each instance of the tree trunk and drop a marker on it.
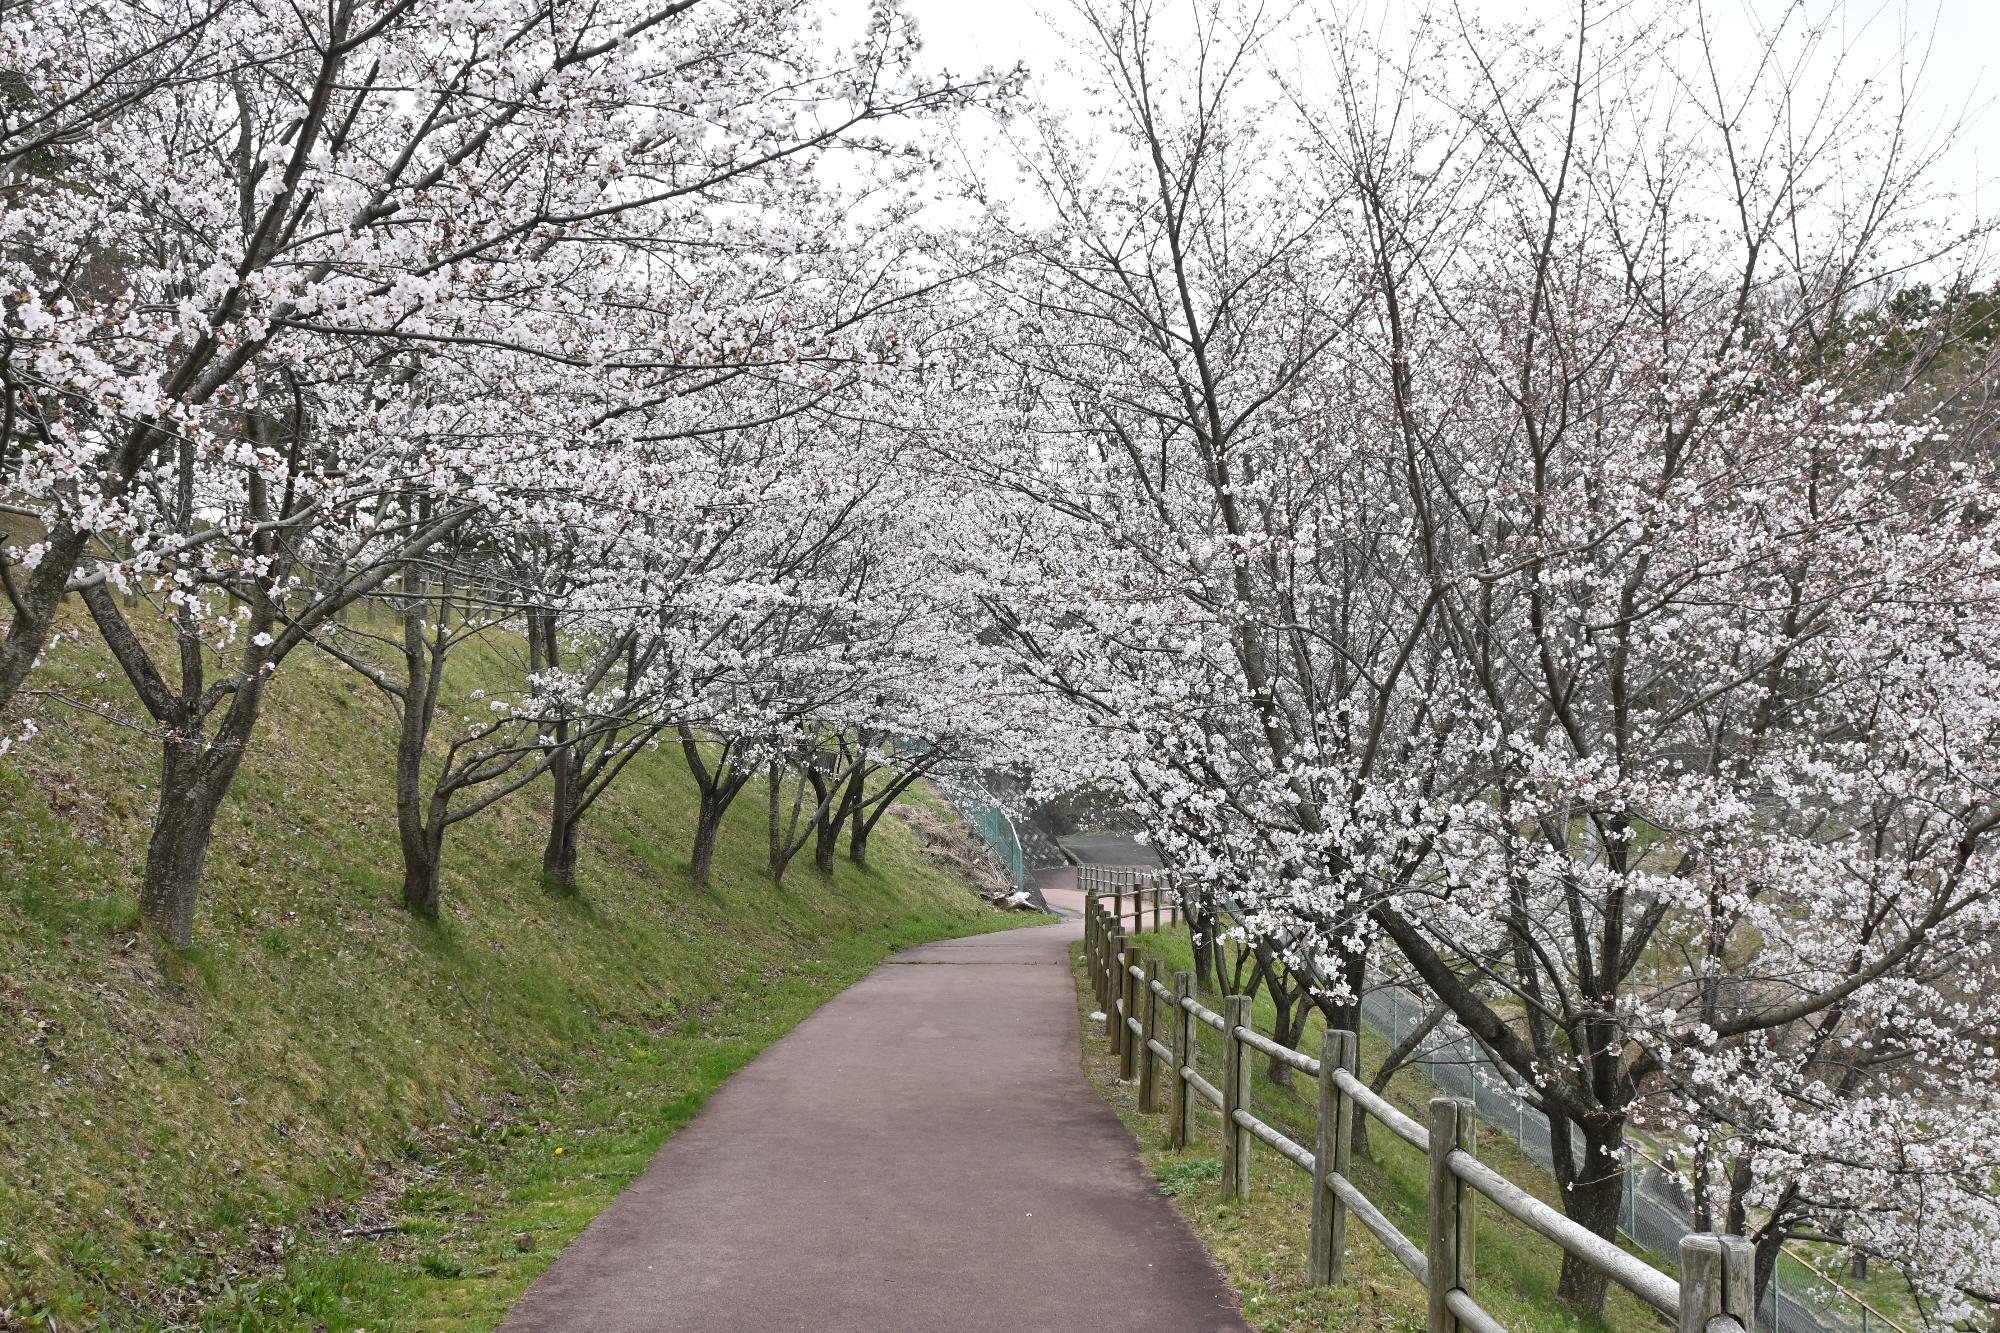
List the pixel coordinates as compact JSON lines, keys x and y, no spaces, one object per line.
{"x":421,"y":871}
{"x":1290,"y":1008}
{"x":826,"y":824}
{"x":423,"y":853}
{"x":1592,"y":1198}
{"x":193,"y":781}
{"x":1279,"y":1072}
{"x":28,"y":633}
{"x":707,"y":830}
{"x":856,"y":809}
{"x":858,"y":830}
{"x":774,"y":790}
{"x":826,"y":844}
{"x":1207,"y":967}
{"x":1769,"y":1239}
{"x":559,"y":856}
{"x":423,"y":876}
{"x":559,"y":852}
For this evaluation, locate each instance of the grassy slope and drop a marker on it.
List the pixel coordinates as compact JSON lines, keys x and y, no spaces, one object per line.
{"x":184,"y":1137}
{"x":1261,"y":1243}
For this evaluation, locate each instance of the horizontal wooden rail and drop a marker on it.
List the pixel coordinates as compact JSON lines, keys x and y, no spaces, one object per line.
{"x":1209,"y":1092}
{"x":1640,"y":1278}
{"x":1278,"y":1051}
{"x":1367,"y":1099}
{"x":1402,"y":1247}
{"x":1469,"y":1313}
{"x":1203,"y":1013}
{"x":1714,"y":1295}
{"x":1294,"y":1152}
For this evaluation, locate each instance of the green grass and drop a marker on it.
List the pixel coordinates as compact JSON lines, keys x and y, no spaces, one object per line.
{"x":1260,"y":1243}
{"x":188,"y":1139}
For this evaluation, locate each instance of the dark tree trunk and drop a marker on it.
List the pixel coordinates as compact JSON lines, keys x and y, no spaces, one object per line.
{"x":858,"y":829}
{"x":1591,"y":1197}
{"x":196,"y":770}
{"x":35,"y":619}
{"x":194,"y":779}
{"x":854,"y":812}
{"x":422,"y":838}
{"x":1769,"y":1239}
{"x":826,"y":823}
{"x":423,"y":876}
{"x":1284,"y":1032}
{"x":559,"y":857}
{"x":559,"y":852}
{"x":1244,"y":977}
{"x":1207,"y":963}
{"x":421,"y":845}
{"x":707,"y":831}
{"x":774,"y":791}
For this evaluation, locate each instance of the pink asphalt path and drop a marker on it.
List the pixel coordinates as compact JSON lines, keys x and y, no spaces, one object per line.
{"x":922,"y":1153}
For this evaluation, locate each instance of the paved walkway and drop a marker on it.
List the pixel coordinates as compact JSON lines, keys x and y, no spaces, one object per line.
{"x":923,"y":1153}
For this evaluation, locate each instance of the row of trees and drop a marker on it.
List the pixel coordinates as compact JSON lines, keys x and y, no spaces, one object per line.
{"x":381,"y":329}
{"x":1489,"y":502}
{"x":1498,"y":533}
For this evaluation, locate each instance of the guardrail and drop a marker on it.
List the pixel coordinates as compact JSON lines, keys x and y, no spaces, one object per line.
{"x":1151,"y":1022}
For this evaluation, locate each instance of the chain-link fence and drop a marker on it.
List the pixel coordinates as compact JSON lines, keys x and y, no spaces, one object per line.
{"x":991,"y":822}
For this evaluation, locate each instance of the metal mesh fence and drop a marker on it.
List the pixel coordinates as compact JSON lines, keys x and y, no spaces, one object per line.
{"x":992,"y":823}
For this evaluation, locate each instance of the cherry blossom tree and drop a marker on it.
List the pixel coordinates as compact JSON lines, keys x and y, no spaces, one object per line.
{"x":1450,"y":494}
{"x":232,"y":296}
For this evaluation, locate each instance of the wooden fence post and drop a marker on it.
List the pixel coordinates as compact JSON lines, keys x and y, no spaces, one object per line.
{"x":1103,"y":944}
{"x":1106,"y":941}
{"x":1718,"y":1277}
{"x":1109,"y":945}
{"x":1114,"y":1019}
{"x":1236,"y":1013}
{"x":1128,"y":1054}
{"x":1118,"y":904}
{"x":1451,"y":1213}
{"x":1181,"y":1130}
{"x":1331,"y":1157}
{"x":1095,"y":915}
{"x":1090,"y":939}
{"x":1149,"y":1005}
{"x":1153,"y":885}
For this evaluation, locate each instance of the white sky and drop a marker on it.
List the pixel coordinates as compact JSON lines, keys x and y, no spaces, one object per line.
{"x":1952,"y":41}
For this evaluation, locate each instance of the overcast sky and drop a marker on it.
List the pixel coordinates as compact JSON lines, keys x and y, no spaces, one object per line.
{"x":1953,"y":40}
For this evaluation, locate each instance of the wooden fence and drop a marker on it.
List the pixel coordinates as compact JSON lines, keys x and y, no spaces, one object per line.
{"x":1152,"y":1023}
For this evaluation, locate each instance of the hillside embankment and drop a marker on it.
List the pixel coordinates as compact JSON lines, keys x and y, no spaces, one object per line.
{"x":328,"y":1113}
